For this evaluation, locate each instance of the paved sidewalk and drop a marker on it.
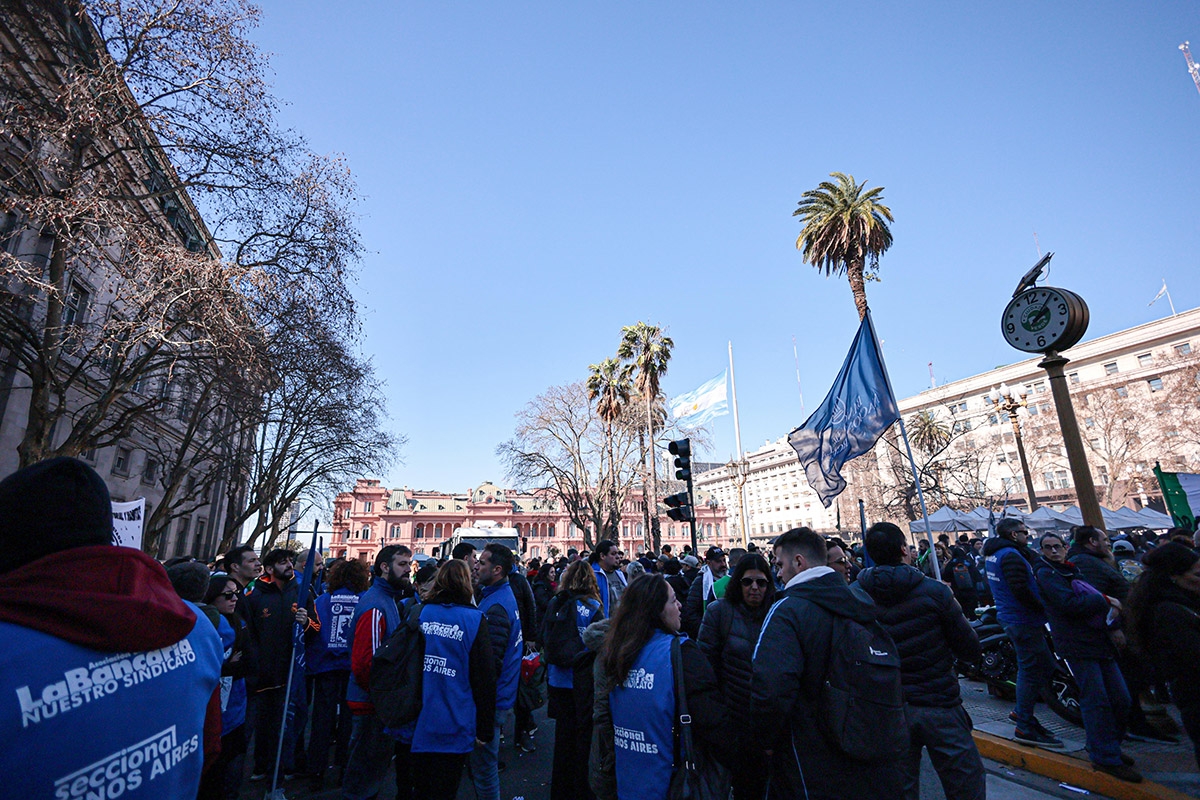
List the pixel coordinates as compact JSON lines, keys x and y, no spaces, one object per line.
{"x":1171,"y":765}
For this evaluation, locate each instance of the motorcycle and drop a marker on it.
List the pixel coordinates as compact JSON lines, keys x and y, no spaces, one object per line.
{"x":997,"y":667}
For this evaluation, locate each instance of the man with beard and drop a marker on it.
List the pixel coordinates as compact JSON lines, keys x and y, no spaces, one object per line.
{"x":380,"y":611}
{"x":270,"y":611}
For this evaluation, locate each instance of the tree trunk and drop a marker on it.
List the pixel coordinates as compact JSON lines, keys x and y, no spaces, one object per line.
{"x":854,"y":273}
{"x":36,"y":442}
{"x":651,"y":501}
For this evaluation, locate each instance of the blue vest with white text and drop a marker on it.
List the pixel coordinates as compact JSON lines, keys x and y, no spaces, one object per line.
{"x":1010,"y":610}
{"x":81,"y":723}
{"x":643,"y":715}
{"x":447,"y":721}
{"x":510,"y":667}
{"x":587,"y":611}
{"x":329,"y":649}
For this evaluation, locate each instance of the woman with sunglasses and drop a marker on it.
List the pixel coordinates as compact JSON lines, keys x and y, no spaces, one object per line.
{"x":727,"y":636}
{"x":224,"y":778}
{"x":1079,"y":616}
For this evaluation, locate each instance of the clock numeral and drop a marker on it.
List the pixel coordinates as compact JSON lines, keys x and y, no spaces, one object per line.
{"x":1062,"y":308}
{"x":1010,"y":327}
{"x":1041,"y":341}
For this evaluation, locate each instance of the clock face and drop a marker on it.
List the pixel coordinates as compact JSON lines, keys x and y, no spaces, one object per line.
{"x":1041,"y":319}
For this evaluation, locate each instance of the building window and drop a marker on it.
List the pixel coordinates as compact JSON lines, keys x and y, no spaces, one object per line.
{"x":1095,"y":443}
{"x":201,"y":529}
{"x":121,"y":461}
{"x":419,"y":532}
{"x":993,"y":419}
{"x":1010,"y":485}
{"x":1102,"y":475}
{"x":1089,"y":422}
{"x":1183,"y":349}
{"x":75,"y":304}
{"x":1156,"y":384}
{"x":367,"y":506}
{"x":1074,"y":377}
{"x":150,"y":470}
{"x":1145,"y":360}
{"x":1122,"y":391}
{"x":550,"y":532}
{"x":89,"y":455}
{"x":1111,"y":368}
{"x":1001,"y":458}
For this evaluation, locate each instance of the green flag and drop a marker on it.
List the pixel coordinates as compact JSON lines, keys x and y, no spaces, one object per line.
{"x":1181,"y":492}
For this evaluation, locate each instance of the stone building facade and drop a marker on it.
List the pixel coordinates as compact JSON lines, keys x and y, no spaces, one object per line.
{"x":371,"y":516}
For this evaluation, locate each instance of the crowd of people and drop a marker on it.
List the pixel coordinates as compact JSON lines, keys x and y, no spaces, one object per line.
{"x":809,"y":669}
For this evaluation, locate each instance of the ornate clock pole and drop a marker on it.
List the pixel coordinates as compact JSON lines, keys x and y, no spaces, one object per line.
{"x":1047,"y":320}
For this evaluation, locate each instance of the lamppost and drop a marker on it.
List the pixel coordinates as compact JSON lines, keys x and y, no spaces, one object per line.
{"x":1005,"y":400}
{"x":738,"y":471}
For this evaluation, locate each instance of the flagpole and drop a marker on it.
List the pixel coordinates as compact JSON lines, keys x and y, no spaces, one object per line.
{"x":1170,"y":302}
{"x":737,"y":434}
{"x":937,"y":572}
{"x":301,"y":601}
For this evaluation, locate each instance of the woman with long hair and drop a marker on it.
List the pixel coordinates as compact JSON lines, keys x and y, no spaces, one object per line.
{"x":327,"y":661}
{"x":1165,"y":606}
{"x":224,"y":778}
{"x":728,"y":635}
{"x":569,"y":612}
{"x":635,"y":709}
{"x":459,"y":693}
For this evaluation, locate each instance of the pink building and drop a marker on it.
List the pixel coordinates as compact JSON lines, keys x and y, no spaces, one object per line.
{"x":372,"y":516}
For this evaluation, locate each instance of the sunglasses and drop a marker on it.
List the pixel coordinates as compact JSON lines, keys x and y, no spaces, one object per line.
{"x":842,"y":560}
{"x":748,"y":582}
{"x":228,"y":595}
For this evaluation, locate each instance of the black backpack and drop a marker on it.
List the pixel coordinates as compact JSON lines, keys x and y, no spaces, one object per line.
{"x":562,"y":641}
{"x":860,"y":705}
{"x":962,"y":576}
{"x":397,"y":670}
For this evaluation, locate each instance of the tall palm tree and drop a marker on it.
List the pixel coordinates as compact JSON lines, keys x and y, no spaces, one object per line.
{"x":610,"y":383}
{"x":646,"y":348}
{"x":845,"y":231}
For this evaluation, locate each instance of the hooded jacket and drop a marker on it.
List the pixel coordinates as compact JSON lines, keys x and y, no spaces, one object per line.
{"x":790,"y":664}
{"x":107,"y":677}
{"x":928,"y":627}
{"x":1099,"y":573}
{"x":1009,"y":571}
{"x":270,"y":620}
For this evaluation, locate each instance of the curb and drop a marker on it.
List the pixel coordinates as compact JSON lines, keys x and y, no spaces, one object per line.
{"x":1069,"y":770}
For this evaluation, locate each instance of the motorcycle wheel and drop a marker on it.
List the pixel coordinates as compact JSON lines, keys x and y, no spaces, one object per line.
{"x":998,"y":666}
{"x":1063,"y":698}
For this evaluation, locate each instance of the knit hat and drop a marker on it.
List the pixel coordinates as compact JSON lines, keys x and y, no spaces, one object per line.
{"x":50,"y":506}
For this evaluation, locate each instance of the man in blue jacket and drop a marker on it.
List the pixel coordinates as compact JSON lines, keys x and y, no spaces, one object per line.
{"x":499,"y":605}
{"x":105,"y":674}
{"x":1009,"y":565}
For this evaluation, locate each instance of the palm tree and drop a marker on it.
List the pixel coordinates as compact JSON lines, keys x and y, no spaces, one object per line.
{"x":646,"y":348}
{"x":610,"y":383}
{"x":845,"y":231}
{"x":927,"y":433}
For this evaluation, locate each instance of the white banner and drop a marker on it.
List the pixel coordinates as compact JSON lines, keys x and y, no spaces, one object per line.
{"x":127,"y":522}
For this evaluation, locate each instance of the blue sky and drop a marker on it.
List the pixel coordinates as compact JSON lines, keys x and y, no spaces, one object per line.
{"x":537,"y":175}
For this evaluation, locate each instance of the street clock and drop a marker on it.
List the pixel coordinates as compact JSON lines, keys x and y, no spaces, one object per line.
{"x":1043,"y":319}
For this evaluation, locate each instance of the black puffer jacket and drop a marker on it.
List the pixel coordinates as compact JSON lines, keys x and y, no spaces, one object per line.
{"x":1099,"y":573}
{"x":928,"y":626}
{"x":790,"y":664}
{"x":1174,"y":622}
{"x":727,"y":636}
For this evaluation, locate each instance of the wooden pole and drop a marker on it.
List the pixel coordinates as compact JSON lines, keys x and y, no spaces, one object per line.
{"x":1081,"y":474}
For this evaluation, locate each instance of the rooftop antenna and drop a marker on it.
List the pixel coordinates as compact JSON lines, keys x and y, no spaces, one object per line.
{"x":1193,"y":70}
{"x":932,"y":380}
{"x":1037,"y":244}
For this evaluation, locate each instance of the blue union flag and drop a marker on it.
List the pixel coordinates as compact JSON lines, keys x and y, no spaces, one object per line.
{"x":855,"y":413}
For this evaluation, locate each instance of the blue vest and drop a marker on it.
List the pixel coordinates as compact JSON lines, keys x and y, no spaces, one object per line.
{"x":330,"y":649}
{"x":233,"y":690}
{"x":643,"y":715}
{"x":602,"y":582}
{"x":447,"y":721}
{"x":1009,"y":610}
{"x":380,"y":596}
{"x":510,"y":668}
{"x":79,"y":723}
{"x":587,"y":611}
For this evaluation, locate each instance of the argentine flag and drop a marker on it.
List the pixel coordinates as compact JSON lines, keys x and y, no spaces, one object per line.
{"x":701,"y":405}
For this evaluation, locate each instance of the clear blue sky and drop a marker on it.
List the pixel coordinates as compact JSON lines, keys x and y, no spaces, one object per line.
{"x":536,"y":175}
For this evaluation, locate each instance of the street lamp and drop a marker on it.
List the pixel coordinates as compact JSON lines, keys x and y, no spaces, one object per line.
{"x":1005,"y":400}
{"x":738,"y":471}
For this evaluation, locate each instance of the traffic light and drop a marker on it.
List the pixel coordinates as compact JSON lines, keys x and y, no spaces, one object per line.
{"x":679,"y":507}
{"x":682,"y":450}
